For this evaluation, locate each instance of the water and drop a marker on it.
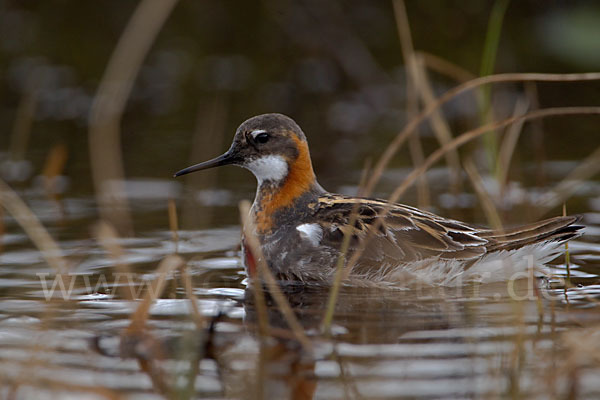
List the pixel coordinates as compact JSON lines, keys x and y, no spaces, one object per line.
{"x":428,"y":343}
{"x":337,"y":68}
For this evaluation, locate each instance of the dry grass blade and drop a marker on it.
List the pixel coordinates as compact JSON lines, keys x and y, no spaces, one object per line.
{"x":507,"y":148}
{"x":197,"y":316}
{"x":536,"y":134}
{"x":55,"y":163}
{"x":470,"y":135}
{"x":412,"y":97}
{"x":136,"y":342}
{"x":445,"y":67}
{"x":166,"y":267}
{"x":419,"y":83}
{"x":342,"y":269}
{"x":2,"y":229}
{"x":24,"y":119}
{"x":440,"y":126}
{"x":109,"y":239}
{"x":417,"y":156}
{"x":173,"y":223}
{"x":465,"y":138}
{"x":265,"y":274}
{"x":341,"y":273}
{"x":452,"y":93}
{"x":489,"y":208}
{"x":569,"y":185}
{"x":567,"y":255}
{"x":264,"y":329}
{"x":53,"y":168}
{"x":33,"y":227}
{"x":109,"y":104}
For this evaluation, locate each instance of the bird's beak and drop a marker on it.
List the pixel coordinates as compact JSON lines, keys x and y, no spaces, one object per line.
{"x":224,"y":159}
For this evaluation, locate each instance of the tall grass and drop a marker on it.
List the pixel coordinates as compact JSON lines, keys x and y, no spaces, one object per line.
{"x":488,"y":62}
{"x":420,"y":90}
{"x":475,"y":133}
{"x":108,"y":107}
{"x":34,"y":229}
{"x":137,"y":340}
{"x":411,"y":125}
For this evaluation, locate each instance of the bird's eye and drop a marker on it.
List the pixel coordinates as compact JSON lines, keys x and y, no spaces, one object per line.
{"x":262,"y":138}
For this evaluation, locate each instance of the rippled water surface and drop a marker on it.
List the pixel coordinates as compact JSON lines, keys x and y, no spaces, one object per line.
{"x":339,"y":69}
{"x":484,"y":341}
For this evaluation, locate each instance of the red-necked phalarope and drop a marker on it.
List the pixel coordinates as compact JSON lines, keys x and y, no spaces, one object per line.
{"x":301,"y":226}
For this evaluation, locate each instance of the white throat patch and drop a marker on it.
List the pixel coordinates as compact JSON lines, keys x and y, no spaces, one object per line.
{"x":268,"y":168}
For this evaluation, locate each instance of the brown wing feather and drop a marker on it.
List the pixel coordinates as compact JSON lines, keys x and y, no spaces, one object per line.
{"x":408,"y":234}
{"x":401,"y":232}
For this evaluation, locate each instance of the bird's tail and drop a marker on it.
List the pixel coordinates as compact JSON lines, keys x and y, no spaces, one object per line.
{"x":557,"y":229}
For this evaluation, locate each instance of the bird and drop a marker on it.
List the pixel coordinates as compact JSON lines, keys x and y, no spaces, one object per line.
{"x":301,"y":227}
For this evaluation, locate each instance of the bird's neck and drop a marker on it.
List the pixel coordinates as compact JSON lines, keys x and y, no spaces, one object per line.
{"x":273,"y":208}
{"x":295,"y":190}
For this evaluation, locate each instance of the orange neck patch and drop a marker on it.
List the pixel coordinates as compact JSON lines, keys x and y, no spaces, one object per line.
{"x":299,"y":180}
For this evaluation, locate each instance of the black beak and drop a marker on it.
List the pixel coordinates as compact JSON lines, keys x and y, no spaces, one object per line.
{"x":224,"y":159}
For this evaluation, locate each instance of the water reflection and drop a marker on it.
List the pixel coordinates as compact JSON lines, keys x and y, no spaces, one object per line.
{"x":478,"y":341}
{"x":397,"y":344}
{"x":338,"y":68}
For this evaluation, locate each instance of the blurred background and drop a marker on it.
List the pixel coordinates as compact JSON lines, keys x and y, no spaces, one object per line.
{"x":102,"y":101}
{"x":335,"y":67}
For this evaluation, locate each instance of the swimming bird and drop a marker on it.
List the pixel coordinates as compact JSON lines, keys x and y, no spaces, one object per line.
{"x":301,"y":226}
